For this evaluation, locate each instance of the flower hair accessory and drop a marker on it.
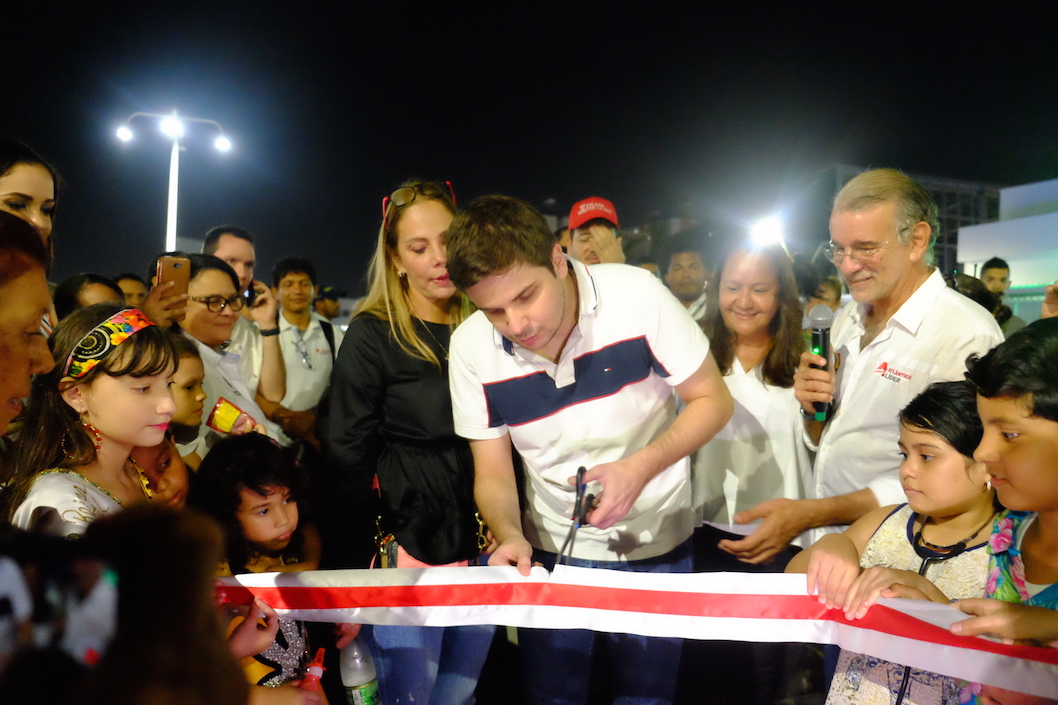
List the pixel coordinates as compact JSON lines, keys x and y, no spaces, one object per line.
{"x":98,"y":342}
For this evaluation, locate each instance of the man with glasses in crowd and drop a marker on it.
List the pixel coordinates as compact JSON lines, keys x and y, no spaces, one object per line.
{"x":309,"y":344}
{"x":906,"y":331}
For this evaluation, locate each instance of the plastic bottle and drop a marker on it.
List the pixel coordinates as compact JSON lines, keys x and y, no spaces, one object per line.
{"x":358,"y":674}
{"x":313,"y":671}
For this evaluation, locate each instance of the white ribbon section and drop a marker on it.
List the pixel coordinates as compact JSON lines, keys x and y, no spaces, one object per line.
{"x":721,"y":606}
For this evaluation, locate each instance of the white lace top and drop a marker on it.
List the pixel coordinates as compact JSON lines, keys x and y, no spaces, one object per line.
{"x":866,"y":680}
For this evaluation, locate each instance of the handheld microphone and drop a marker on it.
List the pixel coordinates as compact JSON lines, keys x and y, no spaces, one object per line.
{"x":820,"y":318}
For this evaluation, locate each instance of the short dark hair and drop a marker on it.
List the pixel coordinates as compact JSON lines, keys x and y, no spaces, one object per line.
{"x":492,"y":235}
{"x":948,"y":409}
{"x":209,"y":246}
{"x":995,"y":263}
{"x":691,"y":240}
{"x":1023,"y":365}
{"x":293,"y":265}
{"x":130,"y":275}
{"x":202,"y":263}
{"x":66,"y":293}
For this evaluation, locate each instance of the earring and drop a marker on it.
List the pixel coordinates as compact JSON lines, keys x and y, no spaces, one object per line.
{"x":94,"y":433}
{"x":988,"y":485}
{"x":401,"y":274}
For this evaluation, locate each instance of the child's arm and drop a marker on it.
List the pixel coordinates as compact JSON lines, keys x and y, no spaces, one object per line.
{"x":1010,"y":621}
{"x":250,"y":637}
{"x":867,"y":587}
{"x":833,"y":562}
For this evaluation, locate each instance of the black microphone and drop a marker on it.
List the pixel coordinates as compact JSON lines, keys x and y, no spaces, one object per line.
{"x":820,"y":318}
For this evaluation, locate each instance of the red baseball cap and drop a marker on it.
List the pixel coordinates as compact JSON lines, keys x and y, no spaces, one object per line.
{"x":590,"y":209}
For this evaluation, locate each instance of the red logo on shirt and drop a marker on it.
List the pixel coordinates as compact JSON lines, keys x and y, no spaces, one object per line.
{"x":891,"y":373}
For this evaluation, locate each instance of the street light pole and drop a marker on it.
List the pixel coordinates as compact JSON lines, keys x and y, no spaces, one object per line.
{"x":174,"y":180}
{"x":172,"y":126}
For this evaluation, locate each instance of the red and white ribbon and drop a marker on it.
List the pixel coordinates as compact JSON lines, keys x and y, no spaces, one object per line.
{"x":727,"y":606}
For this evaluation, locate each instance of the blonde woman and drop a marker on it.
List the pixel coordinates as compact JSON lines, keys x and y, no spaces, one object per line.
{"x":391,"y":418}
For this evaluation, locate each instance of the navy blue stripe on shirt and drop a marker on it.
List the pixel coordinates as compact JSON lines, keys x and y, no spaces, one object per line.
{"x":600,"y":373}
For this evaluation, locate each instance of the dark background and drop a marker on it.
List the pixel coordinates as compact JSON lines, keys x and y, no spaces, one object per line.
{"x":711,"y":112}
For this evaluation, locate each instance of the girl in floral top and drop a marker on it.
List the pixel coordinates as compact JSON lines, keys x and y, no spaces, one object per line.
{"x":1017,"y":398}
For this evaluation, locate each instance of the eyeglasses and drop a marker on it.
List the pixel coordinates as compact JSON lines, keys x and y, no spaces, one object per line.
{"x":856,"y":254}
{"x":218,"y":303}
{"x":299,"y":345}
{"x":406,"y":194}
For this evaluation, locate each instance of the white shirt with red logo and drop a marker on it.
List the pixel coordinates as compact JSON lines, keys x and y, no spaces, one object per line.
{"x":927,"y":340}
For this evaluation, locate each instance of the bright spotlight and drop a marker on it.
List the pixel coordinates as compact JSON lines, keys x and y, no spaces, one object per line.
{"x":768,"y":231}
{"x":172,"y":128}
{"x":222,"y":143}
{"x":124,"y":133}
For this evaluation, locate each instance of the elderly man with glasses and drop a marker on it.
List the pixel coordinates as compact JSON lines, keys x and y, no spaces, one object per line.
{"x":905,"y":330}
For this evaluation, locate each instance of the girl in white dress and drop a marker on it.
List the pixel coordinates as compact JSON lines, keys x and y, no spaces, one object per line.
{"x":108,"y":393}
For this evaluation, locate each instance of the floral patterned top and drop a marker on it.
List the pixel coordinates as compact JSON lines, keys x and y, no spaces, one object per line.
{"x":1006,"y":575}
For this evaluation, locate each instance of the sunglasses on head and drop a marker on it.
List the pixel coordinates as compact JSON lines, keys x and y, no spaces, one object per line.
{"x":406,"y":194}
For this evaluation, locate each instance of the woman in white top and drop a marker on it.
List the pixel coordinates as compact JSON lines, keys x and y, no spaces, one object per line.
{"x":753,"y":320}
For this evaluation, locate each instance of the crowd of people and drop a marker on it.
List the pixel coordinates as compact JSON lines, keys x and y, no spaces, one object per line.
{"x":499,"y":382}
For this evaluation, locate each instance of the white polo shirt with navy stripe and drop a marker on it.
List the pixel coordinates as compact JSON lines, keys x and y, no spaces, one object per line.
{"x":609,"y":394}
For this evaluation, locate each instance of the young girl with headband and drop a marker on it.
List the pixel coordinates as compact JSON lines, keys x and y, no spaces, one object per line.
{"x":107,"y":394}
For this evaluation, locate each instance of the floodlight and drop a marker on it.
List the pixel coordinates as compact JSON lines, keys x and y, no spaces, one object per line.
{"x":124,"y":133}
{"x":172,"y":128}
{"x":767,"y":231}
{"x":222,"y":143}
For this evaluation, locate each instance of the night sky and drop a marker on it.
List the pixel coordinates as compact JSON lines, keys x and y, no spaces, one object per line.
{"x":711,"y":112}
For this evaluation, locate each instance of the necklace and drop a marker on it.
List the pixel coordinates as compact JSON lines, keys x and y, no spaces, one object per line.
{"x":920,"y":539}
{"x":439,"y":343}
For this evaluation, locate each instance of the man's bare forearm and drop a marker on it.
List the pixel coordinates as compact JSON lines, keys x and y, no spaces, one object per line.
{"x":834,"y":511}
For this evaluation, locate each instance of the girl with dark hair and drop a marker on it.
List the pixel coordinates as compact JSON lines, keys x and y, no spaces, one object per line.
{"x":252,"y":487}
{"x":932,"y":547}
{"x":391,"y":417}
{"x":107,"y":394}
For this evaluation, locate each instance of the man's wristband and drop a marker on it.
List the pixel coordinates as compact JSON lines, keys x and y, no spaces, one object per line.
{"x":266,"y":332}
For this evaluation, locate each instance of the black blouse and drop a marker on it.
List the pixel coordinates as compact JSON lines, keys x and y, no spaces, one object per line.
{"x":391,"y":414}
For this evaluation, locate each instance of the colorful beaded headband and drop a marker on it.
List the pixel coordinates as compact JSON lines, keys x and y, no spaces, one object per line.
{"x":97,"y":343}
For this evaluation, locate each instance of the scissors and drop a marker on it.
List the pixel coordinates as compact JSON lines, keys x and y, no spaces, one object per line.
{"x":582,"y":504}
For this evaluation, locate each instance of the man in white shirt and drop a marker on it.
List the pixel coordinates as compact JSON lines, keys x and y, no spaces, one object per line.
{"x":575,"y":366}
{"x":309,"y":344}
{"x":905,"y":331}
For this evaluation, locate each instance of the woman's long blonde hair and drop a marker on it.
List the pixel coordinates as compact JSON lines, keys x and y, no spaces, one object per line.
{"x":387,"y":295}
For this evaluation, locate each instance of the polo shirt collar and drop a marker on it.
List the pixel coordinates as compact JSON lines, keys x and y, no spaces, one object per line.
{"x":285,"y":325}
{"x":912,"y":312}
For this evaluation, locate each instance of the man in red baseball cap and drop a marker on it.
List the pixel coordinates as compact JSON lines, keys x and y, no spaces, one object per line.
{"x":593,"y":232}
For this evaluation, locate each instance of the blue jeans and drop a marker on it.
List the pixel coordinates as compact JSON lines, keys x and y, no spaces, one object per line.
{"x":642,"y":670}
{"x":424,"y":665}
